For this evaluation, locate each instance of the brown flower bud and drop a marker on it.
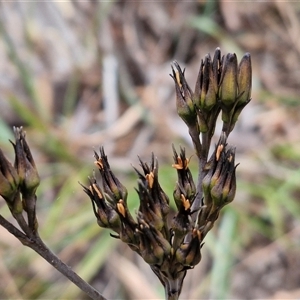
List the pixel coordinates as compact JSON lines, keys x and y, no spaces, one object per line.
{"x":153,"y":245}
{"x":149,"y":209}
{"x":9,"y":180}
{"x":106,"y":216}
{"x":219,"y":184}
{"x":181,"y":225}
{"x":188,"y":254}
{"x":223,"y":190}
{"x":244,"y":79}
{"x":111,"y":185}
{"x":206,"y":88}
{"x":228,"y":83}
{"x":24,"y":164}
{"x":185,"y":178}
{"x":150,"y":192}
{"x":184,"y":103}
{"x":28,"y":174}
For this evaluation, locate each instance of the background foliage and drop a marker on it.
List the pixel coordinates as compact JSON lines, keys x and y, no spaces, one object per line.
{"x":78,"y":75}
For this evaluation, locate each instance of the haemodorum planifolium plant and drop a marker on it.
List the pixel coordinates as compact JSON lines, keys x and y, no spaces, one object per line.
{"x":171,"y":246}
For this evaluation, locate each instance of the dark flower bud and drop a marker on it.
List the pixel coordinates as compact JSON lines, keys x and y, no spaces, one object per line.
{"x":9,"y":184}
{"x":185,"y":178}
{"x":244,"y":79}
{"x":150,"y":192}
{"x":24,"y":164}
{"x":188,"y":254}
{"x":217,"y":69}
{"x":206,"y":88}
{"x":111,"y":185}
{"x":181,"y":225}
{"x":28,"y":174}
{"x":235,"y":89}
{"x":223,"y":190}
{"x":147,"y":253}
{"x":219,"y":184}
{"x":149,"y":209}
{"x":106,"y":216}
{"x":228,"y":82}
{"x":116,"y":195}
{"x":244,"y":88}
{"x":153,"y":245}
{"x":214,"y":165}
{"x":184,"y":103}
{"x":202,"y":83}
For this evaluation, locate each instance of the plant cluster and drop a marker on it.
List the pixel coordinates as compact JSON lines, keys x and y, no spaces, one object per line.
{"x":171,"y":245}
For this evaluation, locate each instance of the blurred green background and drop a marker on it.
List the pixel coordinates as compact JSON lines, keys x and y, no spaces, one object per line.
{"x":78,"y":75}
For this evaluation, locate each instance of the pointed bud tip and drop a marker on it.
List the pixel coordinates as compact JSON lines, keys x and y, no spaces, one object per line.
{"x":247,"y":55}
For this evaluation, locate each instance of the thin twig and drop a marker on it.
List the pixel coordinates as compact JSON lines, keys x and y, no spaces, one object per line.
{"x":36,"y":244}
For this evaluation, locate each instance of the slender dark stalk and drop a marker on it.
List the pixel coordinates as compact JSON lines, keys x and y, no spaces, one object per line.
{"x":202,"y":160}
{"x":22,"y":223}
{"x":36,"y":244}
{"x":173,"y":287}
{"x":31,"y":213}
{"x":13,"y":230}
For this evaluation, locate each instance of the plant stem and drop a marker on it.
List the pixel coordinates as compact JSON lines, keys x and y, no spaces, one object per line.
{"x":36,"y":244}
{"x":173,"y":286}
{"x":197,"y":202}
{"x":202,"y":160}
{"x":171,"y":290}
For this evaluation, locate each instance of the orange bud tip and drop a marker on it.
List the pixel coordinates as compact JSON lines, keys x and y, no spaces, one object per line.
{"x":219,"y":151}
{"x":181,"y":164}
{"x":99,"y":163}
{"x":177,"y":77}
{"x":121,"y":208}
{"x":186,"y":203}
{"x":96,"y":189}
{"x":150,"y":179}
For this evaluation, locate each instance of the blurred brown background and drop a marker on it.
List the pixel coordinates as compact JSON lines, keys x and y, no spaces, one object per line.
{"x":78,"y":75}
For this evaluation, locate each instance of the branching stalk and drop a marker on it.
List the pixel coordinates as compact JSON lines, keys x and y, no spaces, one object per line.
{"x":36,"y":244}
{"x":171,"y":246}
